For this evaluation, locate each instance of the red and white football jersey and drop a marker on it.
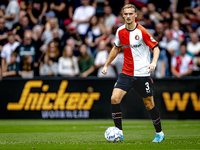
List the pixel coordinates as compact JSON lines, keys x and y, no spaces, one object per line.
{"x":136,"y":44}
{"x":182,"y":64}
{"x":177,"y":34}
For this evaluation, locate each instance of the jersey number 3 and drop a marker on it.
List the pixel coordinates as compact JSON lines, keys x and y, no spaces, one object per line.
{"x":147,"y":87}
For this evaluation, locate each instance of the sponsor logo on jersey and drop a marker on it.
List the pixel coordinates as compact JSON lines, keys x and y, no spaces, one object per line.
{"x":131,"y":46}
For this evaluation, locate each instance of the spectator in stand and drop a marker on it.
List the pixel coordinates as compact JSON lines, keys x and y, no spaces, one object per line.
{"x":56,"y":36}
{"x":168,"y":43}
{"x":11,"y":67}
{"x":49,"y":67}
{"x":86,"y":62}
{"x":53,"y":51}
{"x":180,"y":5}
{"x":162,"y":5}
{"x":116,"y":5}
{"x":36,"y":11}
{"x":7,"y":50}
{"x":82,"y":16}
{"x":3,"y":33}
{"x":162,"y":68}
{"x":171,"y":47}
{"x":74,"y":45}
{"x":167,"y":19}
{"x":23,"y":4}
{"x":27,"y":48}
{"x":139,"y":18}
{"x":11,"y":13}
{"x":68,"y":64}
{"x":189,"y":20}
{"x":36,"y":36}
{"x":149,"y":24}
{"x":1,"y":13}
{"x":119,"y":21}
{"x":47,"y":35}
{"x":18,"y":27}
{"x":75,"y":35}
{"x":177,"y":34}
{"x":60,"y":7}
{"x":182,"y":65}
{"x":198,"y":20}
{"x":46,"y":19}
{"x":26,"y":67}
{"x":194,"y":47}
{"x":144,"y":10}
{"x":109,"y":36}
{"x":159,"y":28}
{"x":109,"y":16}
{"x":100,"y":61}
{"x":3,"y":5}
{"x":102,"y":20}
{"x":77,"y":3}
{"x":67,"y":32}
{"x":25,"y":26}
{"x":95,"y":33}
{"x":153,"y":14}
{"x":26,"y":23}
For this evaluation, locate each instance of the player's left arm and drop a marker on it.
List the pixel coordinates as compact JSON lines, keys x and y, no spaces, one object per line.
{"x":152,"y":66}
{"x":153,"y":44}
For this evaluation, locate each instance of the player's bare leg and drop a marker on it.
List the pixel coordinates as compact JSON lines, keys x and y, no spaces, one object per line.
{"x":150,"y":106}
{"x":116,"y":98}
{"x":149,"y":102}
{"x":117,"y":95}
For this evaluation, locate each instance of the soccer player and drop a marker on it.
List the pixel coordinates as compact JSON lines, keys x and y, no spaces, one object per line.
{"x":135,"y":41}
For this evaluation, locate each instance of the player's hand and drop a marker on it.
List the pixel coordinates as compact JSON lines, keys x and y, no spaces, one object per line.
{"x":104,"y":70}
{"x":151,"y":67}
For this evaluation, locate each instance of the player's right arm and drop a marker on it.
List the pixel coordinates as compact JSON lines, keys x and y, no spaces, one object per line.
{"x":114,"y":52}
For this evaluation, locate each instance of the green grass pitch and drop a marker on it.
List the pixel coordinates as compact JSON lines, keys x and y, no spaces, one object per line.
{"x":89,"y":135}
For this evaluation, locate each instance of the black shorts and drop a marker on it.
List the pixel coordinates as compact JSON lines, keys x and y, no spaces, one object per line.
{"x":142,"y":85}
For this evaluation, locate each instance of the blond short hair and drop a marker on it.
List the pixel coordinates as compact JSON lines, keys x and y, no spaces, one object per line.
{"x":129,"y":6}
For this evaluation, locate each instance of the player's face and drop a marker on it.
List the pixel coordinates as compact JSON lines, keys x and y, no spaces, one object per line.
{"x":129,"y":15}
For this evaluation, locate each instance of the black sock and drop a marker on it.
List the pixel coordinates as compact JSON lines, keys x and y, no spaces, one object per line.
{"x":155,"y":119}
{"x":117,"y":115}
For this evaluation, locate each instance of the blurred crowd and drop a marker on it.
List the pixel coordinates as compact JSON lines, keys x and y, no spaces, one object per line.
{"x":74,"y":37}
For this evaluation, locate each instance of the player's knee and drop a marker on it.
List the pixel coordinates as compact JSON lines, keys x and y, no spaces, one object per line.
{"x":149,"y":105}
{"x":115,"y":100}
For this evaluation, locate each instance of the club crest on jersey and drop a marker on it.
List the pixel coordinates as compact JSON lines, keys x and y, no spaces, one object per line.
{"x":137,"y":37}
{"x":152,"y":39}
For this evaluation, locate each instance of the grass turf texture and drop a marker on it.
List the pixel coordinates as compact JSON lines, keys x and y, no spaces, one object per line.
{"x":89,"y":135}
